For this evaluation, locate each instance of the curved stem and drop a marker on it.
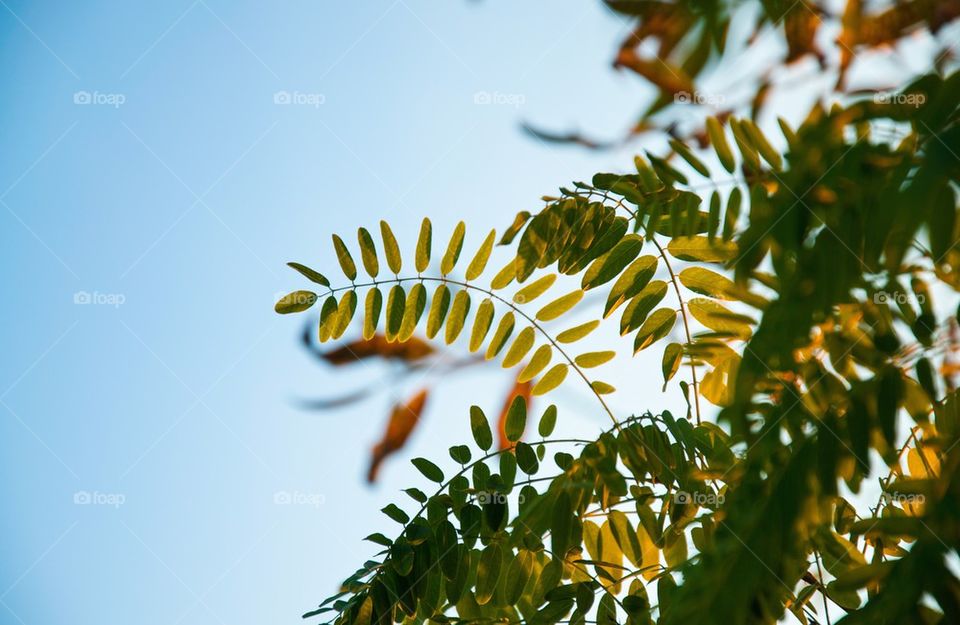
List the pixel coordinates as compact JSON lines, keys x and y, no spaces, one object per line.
{"x":509,"y":304}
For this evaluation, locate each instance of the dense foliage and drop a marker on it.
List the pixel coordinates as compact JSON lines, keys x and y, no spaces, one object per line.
{"x":803,"y":288}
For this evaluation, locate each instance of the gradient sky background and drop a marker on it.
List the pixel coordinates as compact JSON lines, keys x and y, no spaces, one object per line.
{"x":174,"y":198}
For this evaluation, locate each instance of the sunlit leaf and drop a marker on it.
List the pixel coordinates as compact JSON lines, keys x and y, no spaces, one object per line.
{"x":371,"y":314}
{"x":538,"y":362}
{"x":481,"y":324}
{"x":295,"y":302}
{"x":454,"y":247}
{"x":559,"y":306}
{"x":438,"y":310}
{"x":657,"y":326}
{"x":390,"y":248}
{"x":479,"y":262}
{"x":423,"y":245}
{"x":368,"y":252}
{"x":521,"y":345}
{"x":480,"y":427}
{"x":458,"y":315}
{"x":501,"y":335}
{"x":535,"y":289}
{"x":310,"y":274}
{"x":577,"y":332}
{"x":594,"y":359}
{"x":344,"y":258}
{"x":551,"y":379}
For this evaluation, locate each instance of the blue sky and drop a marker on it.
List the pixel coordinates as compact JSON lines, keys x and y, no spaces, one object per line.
{"x":148,"y":170}
{"x":161,"y":163}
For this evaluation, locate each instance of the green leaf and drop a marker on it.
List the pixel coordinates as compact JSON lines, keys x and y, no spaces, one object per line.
{"x":516,"y":421}
{"x":295,"y":302}
{"x":371,"y":315}
{"x":488,"y":573}
{"x":328,"y":313}
{"x":548,"y":421}
{"x":396,"y":303}
{"x":720,"y":319}
{"x":747,"y":149}
{"x":684,"y":152}
{"x":594,"y":359}
{"x":521,"y":345}
{"x":526,"y":458}
{"x":396,"y":514}
{"x":710,"y":283}
{"x":345,"y":312}
{"x":559,"y":306}
{"x":640,"y":306}
{"x":602,"y":388}
{"x":429,"y":470}
{"x":535,"y":289}
{"x":344,"y":258}
{"x":671,"y":362}
{"x":438,"y":310}
{"x":422,"y":260}
{"x":481,"y":324}
{"x":551,"y":380}
{"x":460,"y":454}
{"x":480,"y":427}
{"x":452,"y":254}
{"x":505,"y":276}
{"x":458,"y":315}
{"x":479,"y":262}
{"x":702,"y":249}
{"x":519,"y":573}
{"x":413,"y":311}
{"x":631,"y":282}
{"x":390,"y":248}
{"x":577,"y":332}
{"x":626,"y":537}
{"x":501,"y":335}
{"x":368,"y":252}
{"x":713,"y":218}
{"x":732,"y":213}
{"x":609,"y":266}
{"x":719,"y":141}
{"x":518,"y":222}
{"x":416,"y":494}
{"x":657,"y":326}
{"x":539,"y":361}
{"x":310,"y":274}
{"x":763,"y":146}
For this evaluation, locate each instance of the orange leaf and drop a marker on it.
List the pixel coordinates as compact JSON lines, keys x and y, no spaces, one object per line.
{"x":410,"y":350}
{"x":403,"y":419}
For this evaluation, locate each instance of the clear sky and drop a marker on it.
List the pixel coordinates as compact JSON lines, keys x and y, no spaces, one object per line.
{"x":161,"y":162}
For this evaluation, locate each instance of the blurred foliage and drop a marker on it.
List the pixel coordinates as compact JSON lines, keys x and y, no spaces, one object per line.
{"x":802,"y":288}
{"x":687,"y":50}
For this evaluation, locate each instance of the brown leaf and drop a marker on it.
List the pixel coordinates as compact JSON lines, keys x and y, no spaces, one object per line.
{"x":410,"y":350}
{"x":521,"y":389}
{"x":403,"y":419}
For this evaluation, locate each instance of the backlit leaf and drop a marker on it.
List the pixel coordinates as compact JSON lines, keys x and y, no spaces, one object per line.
{"x":480,"y":427}
{"x":390,"y":248}
{"x":371,"y":314}
{"x":594,"y":359}
{"x":559,"y":306}
{"x":344,"y":258}
{"x":368,"y":252}
{"x":551,"y":379}
{"x":438,"y":310}
{"x":672,"y":355}
{"x":577,"y":332}
{"x":413,"y":311}
{"x":640,"y":306}
{"x":396,"y":304}
{"x":521,"y":345}
{"x":631,"y":282}
{"x":454,"y":247}
{"x":310,"y":274}
{"x":295,"y":302}
{"x":719,"y":141}
{"x":423,"y":245}
{"x":610,"y":265}
{"x":481,"y":324}
{"x":538,"y":362}
{"x":458,"y":315}
{"x":535,"y":289}
{"x":500,"y":335}
{"x":479,"y":262}
{"x":657,"y":326}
